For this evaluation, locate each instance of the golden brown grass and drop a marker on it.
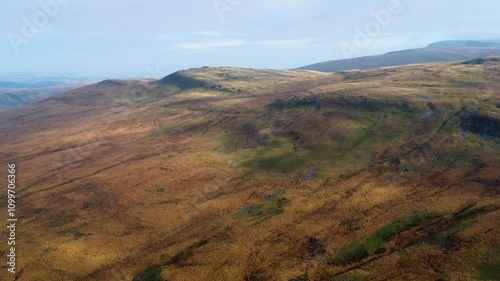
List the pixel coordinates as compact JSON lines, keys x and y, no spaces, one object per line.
{"x":110,"y":179}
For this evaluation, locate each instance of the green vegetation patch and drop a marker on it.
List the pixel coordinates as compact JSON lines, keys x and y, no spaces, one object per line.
{"x":165,"y":257}
{"x":275,"y":163}
{"x":269,"y":206}
{"x":489,"y":269}
{"x":350,"y":254}
{"x":398,"y":226}
{"x":275,"y":157}
{"x":374,"y":244}
{"x":356,"y":133}
{"x":151,"y":275}
{"x":442,"y":232}
{"x":154,"y":274}
{"x":364,"y":136}
{"x":406,"y":109}
{"x":285,"y":156}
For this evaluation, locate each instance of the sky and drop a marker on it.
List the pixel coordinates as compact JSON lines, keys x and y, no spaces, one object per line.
{"x":152,"y":38}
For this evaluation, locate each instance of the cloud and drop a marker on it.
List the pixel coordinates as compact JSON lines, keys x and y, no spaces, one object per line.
{"x":210,"y":44}
{"x":209,"y":33}
{"x":290,"y":43}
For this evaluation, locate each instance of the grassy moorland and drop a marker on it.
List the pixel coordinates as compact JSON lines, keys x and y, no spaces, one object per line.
{"x":241,"y":174}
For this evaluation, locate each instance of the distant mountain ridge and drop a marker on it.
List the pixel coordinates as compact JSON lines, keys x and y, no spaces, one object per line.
{"x":464,"y":43}
{"x":444,"y":51}
{"x":23,"y":85}
{"x":14,"y":94}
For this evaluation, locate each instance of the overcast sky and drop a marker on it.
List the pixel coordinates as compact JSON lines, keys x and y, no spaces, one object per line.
{"x":132,"y":38}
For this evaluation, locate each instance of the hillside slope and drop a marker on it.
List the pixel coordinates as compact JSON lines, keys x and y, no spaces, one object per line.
{"x":241,"y":174}
{"x":439,"y":53}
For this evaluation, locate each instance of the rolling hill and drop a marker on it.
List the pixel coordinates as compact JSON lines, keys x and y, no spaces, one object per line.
{"x":445,"y":51}
{"x":243,"y":174}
